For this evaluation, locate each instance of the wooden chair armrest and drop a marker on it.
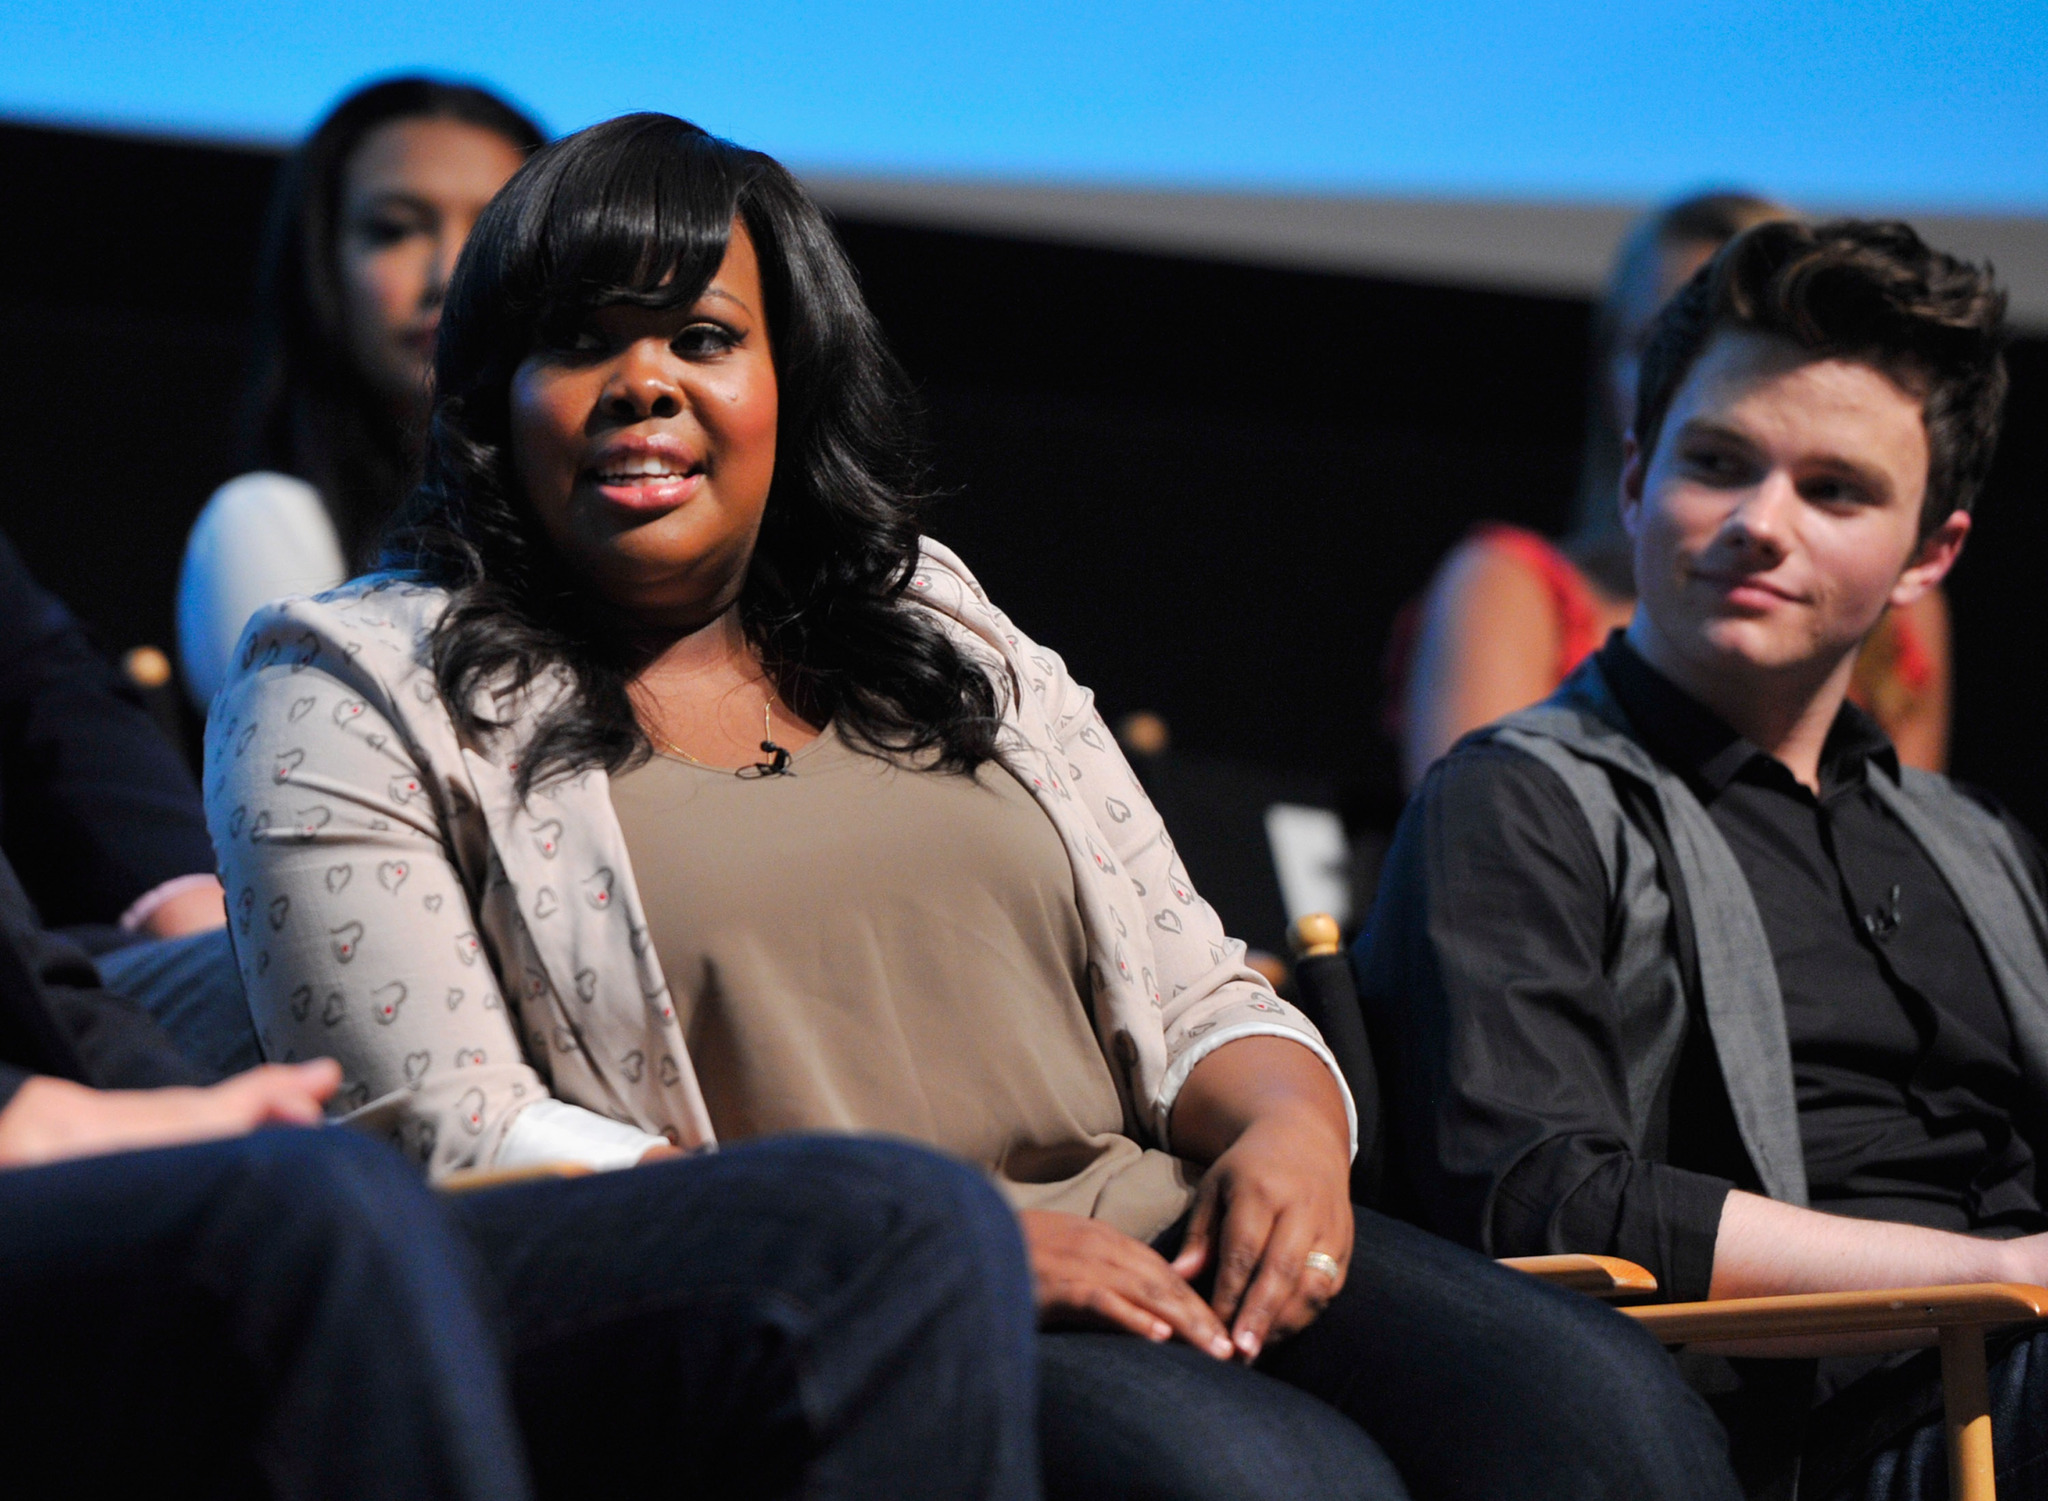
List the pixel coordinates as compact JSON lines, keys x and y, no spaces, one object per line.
{"x":1601,"y":1276}
{"x":1811,"y":1315}
{"x":471,"y":1180}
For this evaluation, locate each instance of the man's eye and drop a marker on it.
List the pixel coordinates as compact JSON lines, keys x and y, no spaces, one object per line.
{"x":1834,"y":492}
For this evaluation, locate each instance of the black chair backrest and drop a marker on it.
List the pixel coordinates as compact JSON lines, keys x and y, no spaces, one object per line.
{"x":1326,"y":989}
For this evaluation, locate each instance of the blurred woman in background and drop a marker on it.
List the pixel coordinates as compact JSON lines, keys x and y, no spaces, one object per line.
{"x":367,"y":220}
{"x":1511,"y":613}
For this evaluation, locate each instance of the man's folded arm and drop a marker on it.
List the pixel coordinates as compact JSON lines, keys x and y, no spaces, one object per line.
{"x":1767,"y":1248}
{"x":1515,"y":1084}
{"x":101,"y":809}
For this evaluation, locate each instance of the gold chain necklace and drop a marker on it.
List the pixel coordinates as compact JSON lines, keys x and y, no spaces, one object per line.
{"x":777,"y":764}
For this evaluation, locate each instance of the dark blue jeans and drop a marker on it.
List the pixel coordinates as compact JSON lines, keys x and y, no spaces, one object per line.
{"x":286,"y":1314}
{"x":1914,"y":1466}
{"x":1470,"y":1381}
{"x":830,"y":1317}
{"x":190,"y":987}
{"x":295,"y":1314}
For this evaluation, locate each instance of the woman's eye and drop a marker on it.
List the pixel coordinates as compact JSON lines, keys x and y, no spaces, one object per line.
{"x":582,"y":342}
{"x":380,"y":230}
{"x":701,"y":340}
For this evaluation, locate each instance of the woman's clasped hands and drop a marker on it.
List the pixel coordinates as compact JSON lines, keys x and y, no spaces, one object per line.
{"x":1276,"y":1195}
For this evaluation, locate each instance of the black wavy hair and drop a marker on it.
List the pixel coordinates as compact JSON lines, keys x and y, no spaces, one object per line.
{"x":638,"y":211}
{"x":1859,"y":289}
{"x":307,"y":410}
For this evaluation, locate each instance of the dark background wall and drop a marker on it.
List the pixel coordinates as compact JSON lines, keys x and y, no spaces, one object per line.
{"x":1209,"y":486}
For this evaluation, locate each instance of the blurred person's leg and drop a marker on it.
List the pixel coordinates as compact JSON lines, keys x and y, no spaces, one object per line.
{"x":833,"y":1316}
{"x":289,"y":1313}
{"x":192,"y":990}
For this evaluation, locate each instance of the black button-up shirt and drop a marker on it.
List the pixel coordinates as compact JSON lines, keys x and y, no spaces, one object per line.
{"x":1902,"y":1056}
{"x":1483,"y":968}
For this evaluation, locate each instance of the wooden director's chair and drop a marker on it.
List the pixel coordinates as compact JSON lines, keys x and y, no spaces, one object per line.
{"x":1956,"y":1317}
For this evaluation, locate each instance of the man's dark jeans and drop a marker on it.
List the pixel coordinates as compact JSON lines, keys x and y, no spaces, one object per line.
{"x":1914,"y":1467}
{"x":293,"y":1313}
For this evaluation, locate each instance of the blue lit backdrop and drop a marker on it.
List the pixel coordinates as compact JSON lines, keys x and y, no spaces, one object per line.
{"x":1848,"y":102}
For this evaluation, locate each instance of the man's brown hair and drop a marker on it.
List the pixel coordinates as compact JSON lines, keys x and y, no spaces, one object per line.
{"x":1857,"y":289}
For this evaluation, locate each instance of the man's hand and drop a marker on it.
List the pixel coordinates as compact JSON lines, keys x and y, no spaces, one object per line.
{"x":49,"y":1119}
{"x":196,"y":910}
{"x":1088,"y":1273}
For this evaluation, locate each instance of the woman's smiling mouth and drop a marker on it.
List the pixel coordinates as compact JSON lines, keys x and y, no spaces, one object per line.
{"x":646,"y":474}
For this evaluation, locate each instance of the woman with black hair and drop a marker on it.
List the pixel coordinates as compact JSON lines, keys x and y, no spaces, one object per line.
{"x":671,"y":789}
{"x":367,"y":219}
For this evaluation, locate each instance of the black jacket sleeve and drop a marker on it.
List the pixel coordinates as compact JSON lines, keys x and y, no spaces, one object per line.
{"x":1507,"y":1071}
{"x":56,"y":1018}
{"x":96,"y":805}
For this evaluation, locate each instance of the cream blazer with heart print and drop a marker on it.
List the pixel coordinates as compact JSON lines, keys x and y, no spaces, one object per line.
{"x":394,"y":905}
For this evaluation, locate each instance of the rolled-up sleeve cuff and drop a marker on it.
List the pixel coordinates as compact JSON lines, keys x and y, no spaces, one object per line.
{"x":555,"y":1131}
{"x":1692,"y":1226}
{"x":1661,"y":1217}
{"x":1183,"y":1065}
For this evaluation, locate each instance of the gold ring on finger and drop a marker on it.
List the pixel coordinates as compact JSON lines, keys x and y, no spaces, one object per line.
{"x":1324,"y":1262}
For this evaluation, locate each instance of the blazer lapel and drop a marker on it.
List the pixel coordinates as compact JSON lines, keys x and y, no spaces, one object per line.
{"x":1121,"y":969}
{"x":563,"y":857}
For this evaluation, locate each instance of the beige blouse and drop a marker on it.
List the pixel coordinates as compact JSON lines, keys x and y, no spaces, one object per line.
{"x":859,"y":946}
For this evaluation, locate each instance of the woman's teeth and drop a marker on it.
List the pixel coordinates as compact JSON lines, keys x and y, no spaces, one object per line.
{"x":625,"y":471}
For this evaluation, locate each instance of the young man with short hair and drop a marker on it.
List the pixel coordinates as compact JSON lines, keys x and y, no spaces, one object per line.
{"x":1680,"y":965}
